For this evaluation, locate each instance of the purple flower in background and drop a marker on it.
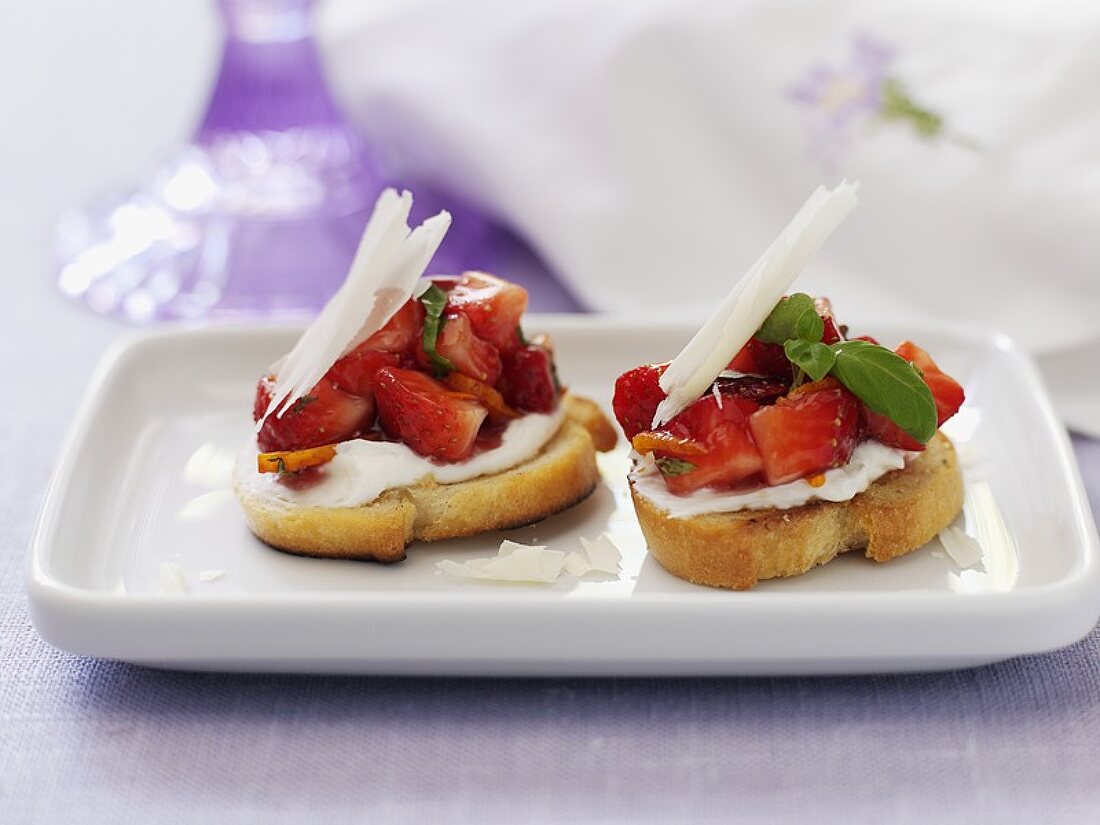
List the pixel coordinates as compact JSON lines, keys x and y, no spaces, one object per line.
{"x":863,"y":90}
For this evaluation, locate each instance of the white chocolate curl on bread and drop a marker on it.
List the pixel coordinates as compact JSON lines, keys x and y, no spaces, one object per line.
{"x":752,"y":299}
{"x":390,"y":259}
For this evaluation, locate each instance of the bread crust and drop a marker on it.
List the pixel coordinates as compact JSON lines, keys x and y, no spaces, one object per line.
{"x":560,"y":475}
{"x":900,"y":512}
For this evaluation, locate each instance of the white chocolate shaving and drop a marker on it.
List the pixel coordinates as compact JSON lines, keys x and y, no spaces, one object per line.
{"x":963,"y":548}
{"x":388,"y":263}
{"x":752,"y":299}
{"x":601,"y":554}
{"x":172,"y":581}
{"x":513,"y":563}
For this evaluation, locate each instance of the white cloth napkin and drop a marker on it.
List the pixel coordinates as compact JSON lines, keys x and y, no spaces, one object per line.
{"x":651,"y":149}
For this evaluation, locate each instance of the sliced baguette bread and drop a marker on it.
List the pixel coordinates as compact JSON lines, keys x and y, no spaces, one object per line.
{"x":560,"y":475}
{"x":900,"y":512}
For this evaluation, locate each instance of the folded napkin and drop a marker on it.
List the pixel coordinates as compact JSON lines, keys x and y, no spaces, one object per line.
{"x":650,"y":150}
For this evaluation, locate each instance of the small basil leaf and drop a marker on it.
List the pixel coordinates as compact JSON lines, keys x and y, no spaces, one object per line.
{"x":434,"y":300}
{"x":888,"y":385}
{"x":794,"y":318}
{"x":674,"y":466}
{"x":813,"y":359}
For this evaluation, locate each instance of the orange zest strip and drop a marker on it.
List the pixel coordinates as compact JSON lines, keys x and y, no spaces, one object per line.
{"x":291,"y":461}
{"x":492,"y":400}
{"x":649,"y":442}
{"x":828,"y":383}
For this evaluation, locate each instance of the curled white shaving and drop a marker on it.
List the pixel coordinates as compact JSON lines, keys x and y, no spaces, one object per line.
{"x":387,"y":265}
{"x":752,"y":299}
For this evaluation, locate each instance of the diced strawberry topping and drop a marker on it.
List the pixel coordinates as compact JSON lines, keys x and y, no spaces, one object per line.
{"x":946,"y":392}
{"x":637,"y":395}
{"x":760,"y":389}
{"x":470,"y":355}
{"x":402,"y":332}
{"x":759,"y":358}
{"x":807,"y":432}
{"x":885,"y":431}
{"x":431,"y":419}
{"x":718,"y":447}
{"x":527,"y":380}
{"x":493,"y":306}
{"x":354,"y":373}
{"x":325,"y":415}
{"x":831,"y":333}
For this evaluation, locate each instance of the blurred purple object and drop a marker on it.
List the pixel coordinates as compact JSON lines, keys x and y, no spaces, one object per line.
{"x":260,"y":214}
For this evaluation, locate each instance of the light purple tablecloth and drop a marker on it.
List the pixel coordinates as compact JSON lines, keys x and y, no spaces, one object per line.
{"x":90,"y":741}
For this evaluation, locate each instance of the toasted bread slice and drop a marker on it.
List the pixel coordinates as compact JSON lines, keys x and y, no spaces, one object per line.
{"x":560,"y":475}
{"x":900,"y":512}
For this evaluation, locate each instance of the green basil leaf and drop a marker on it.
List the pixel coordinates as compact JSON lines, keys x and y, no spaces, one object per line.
{"x":794,"y":318}
{"x":888,"y":385}
{"x":813,"y":359}
{"x":674,"y":466}
{"x":434,"y":300}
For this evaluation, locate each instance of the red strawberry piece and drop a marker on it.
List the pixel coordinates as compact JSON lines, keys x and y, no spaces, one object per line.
{"x":759,"y":358}
{"x":470,"y":355}
{"x":431,"y":419}
{"x":869,"y":339}
{"x":637,"y":394}
{"x":527,"y":380}
{"x":807,"y":432}
{"x":760,"y":389}
{"x":831,"y":333}
{"x":885,"y":431}
{"x":354,"y":373}
{"x":946,"y":391}
{"x":326,"y":415}
{"x":494,"y":307}
{"x":720,"y":428}
{"x":402,"y":332}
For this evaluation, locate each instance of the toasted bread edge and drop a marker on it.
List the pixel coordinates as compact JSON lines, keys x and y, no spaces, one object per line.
{"x":562,"y":474}
{"x":900,"y":512}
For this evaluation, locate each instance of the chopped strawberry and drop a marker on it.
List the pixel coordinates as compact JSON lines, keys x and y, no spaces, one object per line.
{"x":402,"y":332}
{"x":868,"y":338}
{"x":759,"y":358}
{"x":326,"y":415}
{"x":490,"y":399}
{"x":756,"y":388}
{"x":470,"y":355}
{"x":719,"y":428}
{"x":637,"y":394}
{"x":946,"y":391}
{"x":354,"y":373}
{"x":527,"y":381}
{"x":825,"y":310}
{"x":431,"y":419}
{"x":807,"y":432}
{"x":885,"y":431}
{"x":493,"y":306}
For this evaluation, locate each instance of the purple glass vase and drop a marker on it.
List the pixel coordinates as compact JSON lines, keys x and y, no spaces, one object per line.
{"x":260,"y":214}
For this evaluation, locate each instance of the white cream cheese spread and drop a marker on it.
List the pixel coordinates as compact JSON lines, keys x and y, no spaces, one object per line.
{"x":362,"y":470}
{"x":870,"y":461}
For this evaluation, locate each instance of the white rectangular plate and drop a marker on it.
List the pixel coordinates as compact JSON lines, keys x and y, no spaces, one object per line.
{"x":144,"y":479}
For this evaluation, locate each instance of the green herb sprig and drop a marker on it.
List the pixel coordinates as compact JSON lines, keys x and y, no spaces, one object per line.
{"x":883,"y":380}
{"x":674,"y":466}
{"x":434,"y":300}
